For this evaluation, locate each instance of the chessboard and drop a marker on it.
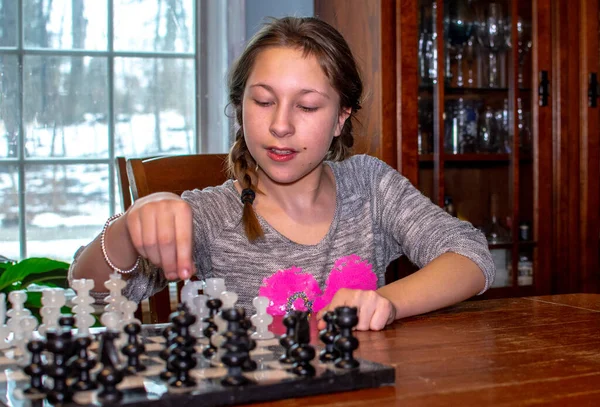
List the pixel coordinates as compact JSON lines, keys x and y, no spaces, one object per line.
{"x":271,"y":381}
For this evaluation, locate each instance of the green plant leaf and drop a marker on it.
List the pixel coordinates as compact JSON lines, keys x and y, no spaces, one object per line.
{"x":31,"y":267}
{"x":52,"y":278}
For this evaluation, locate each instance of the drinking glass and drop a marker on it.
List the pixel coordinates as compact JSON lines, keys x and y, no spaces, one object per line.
{"x":491,"y":35}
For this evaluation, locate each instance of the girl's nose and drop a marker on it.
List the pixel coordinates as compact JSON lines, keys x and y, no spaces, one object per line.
{"x":281,"y":125}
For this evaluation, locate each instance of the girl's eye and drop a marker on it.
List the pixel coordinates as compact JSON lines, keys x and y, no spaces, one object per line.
{"x":308,"y":109}
{"x":262,"y":104}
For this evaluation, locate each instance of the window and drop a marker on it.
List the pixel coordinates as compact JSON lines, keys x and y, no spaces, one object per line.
{"x":84,"y":81}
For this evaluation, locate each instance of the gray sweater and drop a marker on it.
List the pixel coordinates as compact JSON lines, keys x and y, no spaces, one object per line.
{"x":379,"y":216}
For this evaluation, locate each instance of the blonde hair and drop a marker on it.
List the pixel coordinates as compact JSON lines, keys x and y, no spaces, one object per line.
{"x":315,"y":38}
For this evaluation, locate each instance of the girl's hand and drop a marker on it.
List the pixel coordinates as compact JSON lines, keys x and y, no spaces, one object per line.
{"x":160,"y":227}
{"x":374,"y":310}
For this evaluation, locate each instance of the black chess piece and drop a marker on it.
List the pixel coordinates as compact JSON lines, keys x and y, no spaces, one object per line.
{"x":58,"y":343}
{"x":82,"y":363}
{"x":327,"y":336}
{"x":346,"y":318}
{"x":182,"y":358}
{"x":35,"y":370}
{"x":66,"y":323}
{"x":133,"y":349}
{"x":237,"y":347}
{"x":302,"y":352}
{"x":214,"y":305}
{"x":110,"y":375}
{"x":288,"y":339}
{"x":169,"y":333}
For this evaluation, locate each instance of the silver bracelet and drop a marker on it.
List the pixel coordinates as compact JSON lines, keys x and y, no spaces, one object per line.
{"x":103,"y":246}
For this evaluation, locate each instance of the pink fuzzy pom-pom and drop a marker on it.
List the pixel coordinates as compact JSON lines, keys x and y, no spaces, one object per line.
{"x":285,"y":283}
{"x":348,"y":272}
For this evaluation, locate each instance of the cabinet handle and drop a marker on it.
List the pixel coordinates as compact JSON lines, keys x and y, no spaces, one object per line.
{"x":543,"y":88}
{"x":593,"y":90}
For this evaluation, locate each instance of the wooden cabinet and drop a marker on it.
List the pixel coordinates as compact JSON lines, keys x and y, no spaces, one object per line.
{"x":480,"y":101}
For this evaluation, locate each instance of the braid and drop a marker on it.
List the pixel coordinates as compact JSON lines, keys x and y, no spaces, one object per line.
{"x":242,"y":166}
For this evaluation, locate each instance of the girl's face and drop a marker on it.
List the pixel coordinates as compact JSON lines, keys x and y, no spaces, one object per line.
{"x":290,"y":114}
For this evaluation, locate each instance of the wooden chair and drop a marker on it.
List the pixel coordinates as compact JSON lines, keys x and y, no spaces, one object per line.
{"x":172,"y":174}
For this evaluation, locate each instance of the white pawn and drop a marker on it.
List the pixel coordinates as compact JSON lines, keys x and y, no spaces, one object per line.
{"x":115,"y":298}
{"x":53,"y":299}
{"x":4,"y":329}
{"x":16,"y":314}
{"x":201,"y":311}
{"x":189,"y":292}
{"x":83,"y":309}
{"x":128,"y":309}
{"x":214,"y":287}
{"x":28,"y":325}
{"x":261,"y":320}
{"x":111,"y":320}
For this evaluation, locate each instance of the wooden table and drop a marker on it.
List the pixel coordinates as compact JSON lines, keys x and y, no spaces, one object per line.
{"x":518,"y":351}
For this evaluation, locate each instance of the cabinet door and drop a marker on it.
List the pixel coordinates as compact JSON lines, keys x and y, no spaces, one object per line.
{"x":483,"y":134}
{"x":589,"y":149}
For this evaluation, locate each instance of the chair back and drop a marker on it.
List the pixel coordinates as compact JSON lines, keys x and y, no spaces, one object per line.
{"x":170,"y":174}
{"x":175,"y":173}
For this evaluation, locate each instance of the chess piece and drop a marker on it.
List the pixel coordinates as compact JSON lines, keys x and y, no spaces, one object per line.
{"x":213,"y":287}
{"x":28,"y":325}
{"x":66,"y":323}
{"x":237,"y":347}
{"x":35,"y":370}
{"x":58,"y":343}
{"x":133,"y":349}
{"x":182,"y":357}
{"x":214,"y":304}
{"x":261,"y":320}
{"x":288,"y":339}
{"x":82,"y":307}
{"x":4,"y":329}
{"x":200,"y":310}
{"x":110,"y":375}
{"x":327,"y":336}
{"x":53,"y":299}
{"x":346,"y":318}
{"x":15,"y":314}
{"x":82,"y":363}
{"x":169,"y":333}
{"x":302,"y":352}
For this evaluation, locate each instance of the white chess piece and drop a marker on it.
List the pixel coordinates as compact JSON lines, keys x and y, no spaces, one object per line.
{"x":53,"y":299}
{"x":4,"y":329}
{"x":115,"y":298}
{"x":261,"y":320}
{"x":111,"y":320}
{"x":213,"y":287}
{"x":16,"y":314}
{"x":28,"y":325}
{"x":83,"y":309}
{"x":201,"y":311}
{"x":189,"y":292}
{"x":128,"y":309}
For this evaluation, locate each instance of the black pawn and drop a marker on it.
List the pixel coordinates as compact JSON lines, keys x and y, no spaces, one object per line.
{"x":169,"y":333}
{"x":182,"y":358}
{"x":58,"y":343}
{"x":110,"y":375}
{"x":214,"y":304}
{"x":302,"y":352}
{"x":133,"y":349}
{"x":35,"y":370}
{"x":237,"y":345}
{"x":288,"y":339}
{"x":327,"y":336}
{"x":67,"y":322}
{"x":346,"y":318}
{"x":82,"y":363}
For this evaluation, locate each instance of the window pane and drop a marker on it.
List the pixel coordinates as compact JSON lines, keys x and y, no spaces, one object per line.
{"x":159,"y":25}
{"x":9,"y":106}
{"x":9,"y":212}
{"x":65,"y":24}
{"x":8,"y":23}
{"x":66,"y":206}
{"x":154,"y":106}
{"x":65,"y":106}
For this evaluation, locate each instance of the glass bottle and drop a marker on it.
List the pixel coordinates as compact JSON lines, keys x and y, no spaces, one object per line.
{"x":496,"y":234}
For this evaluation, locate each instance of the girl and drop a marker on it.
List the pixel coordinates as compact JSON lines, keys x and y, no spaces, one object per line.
{"x":301,"y":221}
